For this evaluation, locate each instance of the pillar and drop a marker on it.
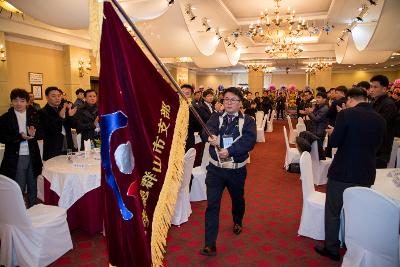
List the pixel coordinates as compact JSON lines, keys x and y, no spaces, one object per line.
{"x":256,"y":81}
{"x":4,"y":90}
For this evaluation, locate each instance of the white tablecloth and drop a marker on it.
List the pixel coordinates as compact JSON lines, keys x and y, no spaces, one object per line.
{"x":71,"y":183}
{"x":385,"y":184}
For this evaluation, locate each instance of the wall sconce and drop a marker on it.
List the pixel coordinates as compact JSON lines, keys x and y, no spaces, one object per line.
{"x":83,"y":66}
{"x":3,"y":56}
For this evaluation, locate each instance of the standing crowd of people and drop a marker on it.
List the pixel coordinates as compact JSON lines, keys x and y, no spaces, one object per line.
{"x":25,"y":123}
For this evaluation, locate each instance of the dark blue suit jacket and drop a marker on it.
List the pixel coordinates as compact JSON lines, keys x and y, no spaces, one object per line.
{"x":358,"y":134}
{"x":239,"y":149}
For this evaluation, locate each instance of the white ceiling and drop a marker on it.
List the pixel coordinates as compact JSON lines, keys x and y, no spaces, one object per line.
{"x":172,"y":34}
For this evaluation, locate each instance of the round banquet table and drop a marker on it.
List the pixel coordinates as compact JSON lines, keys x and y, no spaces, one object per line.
{"x":384,"y":183}
{"x":75,"y":186}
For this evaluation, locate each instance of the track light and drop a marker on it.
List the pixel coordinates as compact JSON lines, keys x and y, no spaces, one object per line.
{"x":205,"y":24}
{"x":170,"y":2}
{"x":189,"y":12}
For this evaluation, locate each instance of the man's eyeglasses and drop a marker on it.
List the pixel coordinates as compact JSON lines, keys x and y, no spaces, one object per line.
{"x":231,"y":100}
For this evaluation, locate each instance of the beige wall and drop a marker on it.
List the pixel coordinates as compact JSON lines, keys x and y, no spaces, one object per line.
{"x":285,"y":79}
{"x":214,"y":80}
{"x":350,"y":78}
{"x":22,"y":58}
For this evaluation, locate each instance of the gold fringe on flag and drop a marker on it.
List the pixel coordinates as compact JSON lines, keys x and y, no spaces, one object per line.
{"x":95,"y":27}
{"x":166,"y":202}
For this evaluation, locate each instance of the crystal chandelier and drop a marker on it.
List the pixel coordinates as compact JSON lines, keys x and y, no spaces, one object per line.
{"x":319,"y":65}
{"x":273,"y":25}
{"x":257,"y":67}
{"x":283,"y":48}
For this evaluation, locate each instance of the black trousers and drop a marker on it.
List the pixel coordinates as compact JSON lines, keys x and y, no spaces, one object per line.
{"x":279,"y":110}
{"x":333,"y":208}
{"x":216,"y":181}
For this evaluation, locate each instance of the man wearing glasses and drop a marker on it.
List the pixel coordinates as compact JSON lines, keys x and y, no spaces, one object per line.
{"x":233,"y":136}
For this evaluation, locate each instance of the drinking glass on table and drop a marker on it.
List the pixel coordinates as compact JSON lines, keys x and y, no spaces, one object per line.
{"x":69,"y":154}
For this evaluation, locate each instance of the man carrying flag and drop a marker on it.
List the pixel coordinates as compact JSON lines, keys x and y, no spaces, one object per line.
{"x":142,"y":148}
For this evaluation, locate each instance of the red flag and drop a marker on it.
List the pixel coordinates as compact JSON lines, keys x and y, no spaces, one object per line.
{"x":143,"y":130}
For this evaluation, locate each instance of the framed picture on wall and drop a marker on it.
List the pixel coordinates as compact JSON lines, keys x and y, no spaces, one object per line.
{"x":35,"y":78}
{"x":37,"y":91}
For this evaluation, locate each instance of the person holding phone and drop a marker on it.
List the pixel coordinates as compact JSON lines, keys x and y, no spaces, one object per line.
{"x":21,"y":161}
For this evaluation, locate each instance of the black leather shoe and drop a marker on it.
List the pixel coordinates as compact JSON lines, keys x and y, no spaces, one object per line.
{"x":208,"y":251}
{"x":323,"y":252}
{"x":237,"y":229}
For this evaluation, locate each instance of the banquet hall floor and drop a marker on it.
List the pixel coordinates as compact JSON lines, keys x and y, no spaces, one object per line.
{"x":269,"y":237}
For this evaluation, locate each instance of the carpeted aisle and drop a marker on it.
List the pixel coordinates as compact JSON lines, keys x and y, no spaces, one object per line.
{"x":273,"y":210}
{"x":269,"y":237}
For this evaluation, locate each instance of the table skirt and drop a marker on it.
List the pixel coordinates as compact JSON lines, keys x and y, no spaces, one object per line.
{"x":85,"y":214}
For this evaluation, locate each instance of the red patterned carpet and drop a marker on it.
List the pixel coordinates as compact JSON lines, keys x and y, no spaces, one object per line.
{"x":269,"y":237}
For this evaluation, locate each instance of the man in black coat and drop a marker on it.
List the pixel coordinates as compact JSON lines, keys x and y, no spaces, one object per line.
{"x":194,"y":125}
{"x":385,"y":106}
{"x":358,"y":134}
{"x":339,"y":100}
{"x":21,"y":161}
{"x":86,"y":118}
{"x":205,"y":108}
{"x":233,"y":137}
{"x":56,"y":121}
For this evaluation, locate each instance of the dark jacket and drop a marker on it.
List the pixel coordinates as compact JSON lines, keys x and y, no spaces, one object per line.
{"x":204,"y":111}
{"x":85,"y":121}
{"x":332,"y":112}
{"x":194,"y":126}
{"x":319,"y":121}
{"x":11,"y":137}
{"x":280,"y":102}
{"x":387,"y":109}
{"x":239,"y":149}
{"x":266,"y":104}
{"x":358,"y":134}
{"x":51,"y":127}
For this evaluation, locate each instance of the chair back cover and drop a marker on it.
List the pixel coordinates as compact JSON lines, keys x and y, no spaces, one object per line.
{"x":12,"y":206}
{"x":300,"y":120}
{"x":182,"y":207}
{"x":259,"y":117}
{"x":307,"y":177}
{"x":289,"y":123}
{"x":206,"y":156}
{"x":264,"y":121}
{"x":371,"y":228}
{"x":286,"y":138}
{"x":315,"y":159}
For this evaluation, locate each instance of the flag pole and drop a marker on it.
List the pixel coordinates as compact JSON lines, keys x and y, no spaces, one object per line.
{"x":146,"y":44}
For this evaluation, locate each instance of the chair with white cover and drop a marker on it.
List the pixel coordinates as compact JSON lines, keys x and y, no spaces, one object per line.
{"x":182,"y":207}
{"x":292,"y":132}
{"x":371,"y":229}
{"x":300,"y":126}
{"x":320,"y":167}
{"x":292,"y":154}
{"x":34,"y":237}
{"x":260,"y":130}
{"x":270,"y":122}
{"x":312,"y":222}
{"x":198,"y":192}
{"x":259,"y":118}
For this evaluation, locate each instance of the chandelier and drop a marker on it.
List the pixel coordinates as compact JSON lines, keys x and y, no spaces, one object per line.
{"x":319,"y":65}
{"x":259,"y":67}
{"x":273,"y":25}
{"x":283,"y":48}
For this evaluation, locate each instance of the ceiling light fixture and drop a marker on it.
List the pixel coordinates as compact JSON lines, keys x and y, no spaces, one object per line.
{"x":170,"y":2}
{"x":283,"y":48}
{"x":205,"y":24}
{"x":320,"y":64}
{"x":189,"y":12}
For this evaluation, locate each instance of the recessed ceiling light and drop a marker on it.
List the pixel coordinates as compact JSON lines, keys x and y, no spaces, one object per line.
{"x":376,"y":63}
{"x":349,"y":66}
{"x":392,"y":57}
{"x":385,"y":67}
{"x":392,"y":65}
{"x":354,"y":64}
{"x":216,"y":69}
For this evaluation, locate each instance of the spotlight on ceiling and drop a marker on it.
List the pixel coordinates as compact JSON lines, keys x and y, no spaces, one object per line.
{"x":205,"y":24}
{"x":170,"y":2}
{"x":189,"y":12}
